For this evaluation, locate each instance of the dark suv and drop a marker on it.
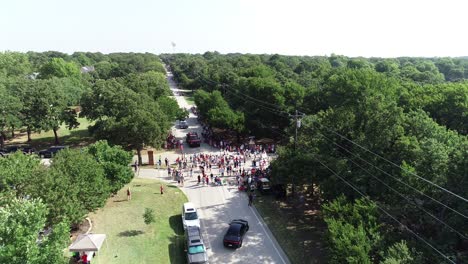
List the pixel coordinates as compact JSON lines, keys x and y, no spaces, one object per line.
{"x":196,"y":251}
{"x":50,"y":152}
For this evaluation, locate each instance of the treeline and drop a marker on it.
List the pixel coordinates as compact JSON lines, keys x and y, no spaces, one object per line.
{"x":391,"y":130}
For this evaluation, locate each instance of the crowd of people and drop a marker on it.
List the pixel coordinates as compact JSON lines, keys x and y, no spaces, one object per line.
{"x":234,"y":168}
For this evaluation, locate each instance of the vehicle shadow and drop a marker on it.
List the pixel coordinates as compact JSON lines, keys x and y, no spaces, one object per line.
{"x":176,"y":246}
{"x":176,"y":250}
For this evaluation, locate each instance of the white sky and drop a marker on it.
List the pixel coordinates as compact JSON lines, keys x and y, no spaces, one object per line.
{"x":378,"y":28}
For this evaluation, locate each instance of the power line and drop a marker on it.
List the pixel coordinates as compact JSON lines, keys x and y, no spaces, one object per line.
{"x":396,"y":165}
{"x":383,"y":210}
{"x":391,"y":216}
{"x":273,"y":111}
{"x":406,"y":198}
{"x":262,"y":103}
{"x":399,"y":180}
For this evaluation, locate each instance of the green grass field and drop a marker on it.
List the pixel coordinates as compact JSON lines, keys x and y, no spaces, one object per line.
{"x":75,"y":138}
{"x":129,"y":239}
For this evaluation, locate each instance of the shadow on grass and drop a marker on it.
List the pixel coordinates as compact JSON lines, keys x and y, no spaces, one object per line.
{"x":177,"y":250}
{"x":119,"y":201}
{"x":177,"y":247}
{"x":130,"y":233}
{"x":171,"y":186}
{"x":76,"y":138}
{"x":175,"y":222}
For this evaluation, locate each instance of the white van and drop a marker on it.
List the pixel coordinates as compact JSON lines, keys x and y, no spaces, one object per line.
{"x":190,"y":215}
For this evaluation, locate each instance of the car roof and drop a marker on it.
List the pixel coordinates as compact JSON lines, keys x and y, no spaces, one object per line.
{"x":239,"y":222}
{"x":234,"y":226}
{"x":189,"y":207}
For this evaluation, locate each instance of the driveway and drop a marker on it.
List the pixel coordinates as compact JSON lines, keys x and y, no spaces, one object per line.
{"x":219,"y":205}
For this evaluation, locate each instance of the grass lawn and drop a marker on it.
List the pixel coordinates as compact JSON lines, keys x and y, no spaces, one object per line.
{"x":77,"y":137}
{"x":299,"y":231}
{"x":129,"y":239}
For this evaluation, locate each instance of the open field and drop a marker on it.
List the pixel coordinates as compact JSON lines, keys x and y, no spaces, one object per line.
{"x":299,"y":231}
{"x":74,"y":138}
{"x":129,"y":239}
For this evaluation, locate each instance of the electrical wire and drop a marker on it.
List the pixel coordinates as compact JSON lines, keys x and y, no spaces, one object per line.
{"x":383,"y":158}
{"x":406,"y":198}
{"x":387,"y":213}
{"x":391,"y":216}
{"x":395,"y":178}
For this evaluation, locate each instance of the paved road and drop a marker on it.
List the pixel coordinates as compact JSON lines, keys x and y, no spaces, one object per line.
{"x":218,"y":205}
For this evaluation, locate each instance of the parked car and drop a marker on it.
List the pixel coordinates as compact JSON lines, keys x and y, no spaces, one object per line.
{"x":183,"y":124}
{"x":50,"y":152}
{"x":14,"y":148}
{"x":235,"y":233}
{"x":190,"y":215}
{"x":263,"y":185}
{"x":195,"y":247}
{"x":29,"y":150}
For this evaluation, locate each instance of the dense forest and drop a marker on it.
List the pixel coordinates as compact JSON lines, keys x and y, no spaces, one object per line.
{"x":384,"y":142}
{"x":125,"y":96}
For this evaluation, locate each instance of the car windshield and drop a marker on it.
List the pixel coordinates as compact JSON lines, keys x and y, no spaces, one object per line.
{"x":196,"y":249}
{"x":191,"y":216}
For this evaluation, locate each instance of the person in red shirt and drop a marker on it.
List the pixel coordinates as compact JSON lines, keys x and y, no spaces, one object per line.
{"x":84,"y":258}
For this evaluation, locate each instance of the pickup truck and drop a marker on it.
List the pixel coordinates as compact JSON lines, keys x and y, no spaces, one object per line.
{"x":193,"y":140}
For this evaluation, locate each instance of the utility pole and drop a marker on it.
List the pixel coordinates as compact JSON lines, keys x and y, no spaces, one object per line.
{"x":297,"y":124}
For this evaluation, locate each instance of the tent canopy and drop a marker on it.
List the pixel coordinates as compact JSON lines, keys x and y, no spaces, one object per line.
{"x":88,"y":242}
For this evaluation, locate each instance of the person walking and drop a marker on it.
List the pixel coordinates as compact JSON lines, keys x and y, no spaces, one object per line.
{"x":250,"y":198}
{"x":166,"y":162}
{"x":129,"y":194}
{"x":161,"y":188}
{"x":199,"y":179}
{"x":136,"y":166}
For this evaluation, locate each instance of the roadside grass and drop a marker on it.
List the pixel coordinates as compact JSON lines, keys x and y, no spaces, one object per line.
{"x":190,"y":100}
{"x":77,"y":137}
{"x":129,"y":239}
{"x":299,"y":231}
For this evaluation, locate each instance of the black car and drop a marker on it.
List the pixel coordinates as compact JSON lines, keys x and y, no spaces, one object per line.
{"x":29,"y":150}
{"x":50,"y":152}
{"x":235,"y":234}
{"x":15,"y":148}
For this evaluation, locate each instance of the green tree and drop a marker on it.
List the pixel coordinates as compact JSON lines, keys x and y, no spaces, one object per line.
{"x":148,"y":216}
{"x":58,"y":67}
{"x":398,"y":253}
{"x":16,"y":171}
{"x":10,"y":107}
{"x":14,"y":64}
{"x":153,"y":84}
{"x":21,"y":222}
{"x":115,"y":162}
{"x":353,"y":231}
{"x":74,"y":185}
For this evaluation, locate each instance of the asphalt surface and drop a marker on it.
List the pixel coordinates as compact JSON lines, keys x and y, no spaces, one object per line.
{"x":218,"y":205}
